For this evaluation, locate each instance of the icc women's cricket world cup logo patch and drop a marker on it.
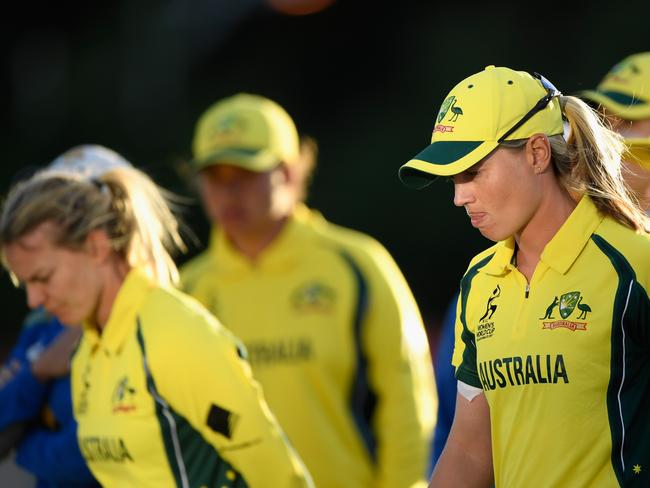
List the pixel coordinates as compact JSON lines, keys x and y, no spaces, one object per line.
{"x":485,"y":328}
{"x":566,"y":305}
{"x":449,"y":105}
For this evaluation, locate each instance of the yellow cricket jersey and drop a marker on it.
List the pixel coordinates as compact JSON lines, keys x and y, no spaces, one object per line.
{"x":565,"y":361}
{"x":335,"y":338}
{"x":163,"y":399}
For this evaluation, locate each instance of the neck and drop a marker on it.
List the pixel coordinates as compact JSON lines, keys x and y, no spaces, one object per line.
{"x":253,"y":244}
{"x":115,"y":274}
{"x":553,"y":211}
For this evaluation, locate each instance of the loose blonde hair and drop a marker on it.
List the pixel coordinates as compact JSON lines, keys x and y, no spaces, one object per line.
{"x":589,"y":162}
{"x":306,"y":165}
{"x":133,"y":211}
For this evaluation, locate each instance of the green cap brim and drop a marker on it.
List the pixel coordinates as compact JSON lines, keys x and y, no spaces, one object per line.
{"x":443,"y":158}
{"x":250,"y":159}
{"x":619,"y":104}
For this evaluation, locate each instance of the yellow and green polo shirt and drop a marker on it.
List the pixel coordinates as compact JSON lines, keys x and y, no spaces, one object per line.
{"x":564,"y":361}
{"x":163,"y":398}
{"x":335,"y":337}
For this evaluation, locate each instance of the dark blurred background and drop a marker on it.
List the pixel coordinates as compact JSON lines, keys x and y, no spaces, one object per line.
{"x":364,"y":78}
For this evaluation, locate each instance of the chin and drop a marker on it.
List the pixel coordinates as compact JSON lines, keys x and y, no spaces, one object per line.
{"x":69,"y":320}
{"x":493,"y":235}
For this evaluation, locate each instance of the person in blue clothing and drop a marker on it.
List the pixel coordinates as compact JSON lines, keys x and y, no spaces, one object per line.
{"x":35,"y":402}
{"x":36,"y":417}
{"x":445,"y":380}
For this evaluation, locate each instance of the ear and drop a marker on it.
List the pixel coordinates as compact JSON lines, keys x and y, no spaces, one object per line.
{"x":288,"y":173}
{"x":98,"y":245}
{"x":538,"y":153}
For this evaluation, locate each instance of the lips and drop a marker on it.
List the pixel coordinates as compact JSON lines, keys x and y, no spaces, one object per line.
{"x":476,"y":218}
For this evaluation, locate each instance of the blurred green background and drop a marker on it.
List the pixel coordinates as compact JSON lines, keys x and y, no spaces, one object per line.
{"x":364,"y":78}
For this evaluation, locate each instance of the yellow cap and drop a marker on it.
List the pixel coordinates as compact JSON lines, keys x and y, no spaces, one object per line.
{"x":473,"y":118}
{"x":245,"y":130}
{"x":625,"y":90}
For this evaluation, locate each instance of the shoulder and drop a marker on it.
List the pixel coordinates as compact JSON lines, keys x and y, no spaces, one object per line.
{"x":192,"y":271}
{"x":173,"y":319}
{"x":625,"y":247}
{"x":363,"y":250}
{"x":480,"y":260}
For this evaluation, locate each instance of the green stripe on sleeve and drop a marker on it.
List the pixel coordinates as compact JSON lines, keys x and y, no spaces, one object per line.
{"x":467,"y":371}
{"x":628,"y":392}
{"x":193,"y":461}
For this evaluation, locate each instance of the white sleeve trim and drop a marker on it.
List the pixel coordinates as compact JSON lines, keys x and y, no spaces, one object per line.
{"x":468,"y":392}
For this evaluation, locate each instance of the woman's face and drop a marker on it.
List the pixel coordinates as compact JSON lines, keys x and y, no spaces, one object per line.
{"x":64,"y":281}
{"x":500,"y":194}
{"x":244,"y":203}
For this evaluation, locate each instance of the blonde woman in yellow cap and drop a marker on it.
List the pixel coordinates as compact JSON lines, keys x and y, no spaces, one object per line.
{"x":332,"y":330}
{"x":623,"y":97}
{"x":552,"y":350}
{"x":160,"y":392}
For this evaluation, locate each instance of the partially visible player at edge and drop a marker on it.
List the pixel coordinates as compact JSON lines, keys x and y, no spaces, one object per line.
{"x":623,"y":97}
{"x":161,"y":393}
{"x":552,"y":348}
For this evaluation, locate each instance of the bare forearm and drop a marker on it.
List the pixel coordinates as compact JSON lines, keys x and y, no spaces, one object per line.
{"x":461,"y":466}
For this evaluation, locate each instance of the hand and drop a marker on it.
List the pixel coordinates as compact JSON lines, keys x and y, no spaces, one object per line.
{"x":54,"y":361}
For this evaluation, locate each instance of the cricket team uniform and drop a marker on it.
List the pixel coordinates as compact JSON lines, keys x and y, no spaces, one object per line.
{"x":335,"y":338}
{"x":163,"y":398}
{"x":564,"y":361}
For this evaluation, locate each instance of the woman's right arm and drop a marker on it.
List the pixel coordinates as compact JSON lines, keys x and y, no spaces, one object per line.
{"x":466,"y":460}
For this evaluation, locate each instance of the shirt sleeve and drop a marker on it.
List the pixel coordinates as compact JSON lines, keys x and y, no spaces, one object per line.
{"x":464,"y":357}
{"x":640,"y":307}
{"x":218,"y":396}
{"x":399,"y":374}
{"x":53,"y":455}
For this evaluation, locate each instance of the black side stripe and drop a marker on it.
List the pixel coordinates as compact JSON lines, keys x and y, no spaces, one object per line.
{"x":362,"y":398}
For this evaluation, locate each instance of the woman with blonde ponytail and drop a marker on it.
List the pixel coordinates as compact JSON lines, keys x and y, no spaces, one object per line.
{"x":161,"y":393}
{"x":552,"y":351}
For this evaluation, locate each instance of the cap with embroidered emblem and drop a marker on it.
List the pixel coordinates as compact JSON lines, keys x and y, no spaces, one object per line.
{"x":245,"y":130}
{"x":625,"y":90}
{"x":495,"y":105}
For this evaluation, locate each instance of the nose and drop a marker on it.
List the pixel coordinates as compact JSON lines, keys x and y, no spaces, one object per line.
{"x":462,"y":193}
{"x":35,"y":296}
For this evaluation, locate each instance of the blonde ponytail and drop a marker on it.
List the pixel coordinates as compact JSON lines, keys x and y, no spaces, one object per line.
{"x":589,"y":162}
{"x":133,"y":211}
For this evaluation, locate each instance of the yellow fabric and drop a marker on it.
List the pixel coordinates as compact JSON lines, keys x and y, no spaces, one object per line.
{"x":245,"y":130}
{"x":162,"y":398}
{"x":326,"y":312}
{"x":550,"y":358}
